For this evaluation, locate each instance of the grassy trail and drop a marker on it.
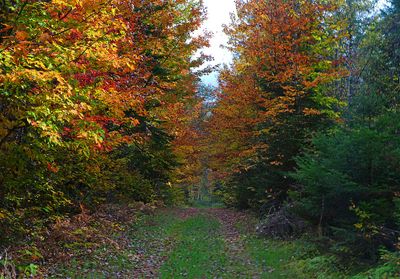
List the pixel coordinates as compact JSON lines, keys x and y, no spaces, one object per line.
{"x":219,"y":243}
{"x":208,"y":247}
{"x":189,"y":243}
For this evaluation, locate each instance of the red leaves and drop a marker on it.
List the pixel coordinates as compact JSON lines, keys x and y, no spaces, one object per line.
{"x":75,"y":35}
{"x":21,"y":35}
{"x":88,"y":78}
{"x":103,"y":120}
{"x":52,"y":167}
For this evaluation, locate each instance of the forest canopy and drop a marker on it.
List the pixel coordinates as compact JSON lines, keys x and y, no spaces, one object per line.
{"x":101,"y":102}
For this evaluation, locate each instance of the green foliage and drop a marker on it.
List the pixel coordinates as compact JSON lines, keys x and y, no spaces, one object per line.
{"x":390,"y":268}
{"x":324,"y":266}
{"x":350,"y":179}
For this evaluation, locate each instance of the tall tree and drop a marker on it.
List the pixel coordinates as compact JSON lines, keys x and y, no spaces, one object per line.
{"x":88,"y":88}
{"x":273,"y":98}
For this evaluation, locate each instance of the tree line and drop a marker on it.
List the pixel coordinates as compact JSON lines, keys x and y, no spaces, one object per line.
{"x":307,"y":118}
{"x":97,"y":99}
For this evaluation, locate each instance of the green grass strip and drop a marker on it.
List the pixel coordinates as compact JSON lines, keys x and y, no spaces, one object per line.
{"x":199,"y":251}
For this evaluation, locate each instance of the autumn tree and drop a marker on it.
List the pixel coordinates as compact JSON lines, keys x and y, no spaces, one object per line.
{"x":91,"y":92}
{"x":273,"y":98}
{"x":349,"y":178}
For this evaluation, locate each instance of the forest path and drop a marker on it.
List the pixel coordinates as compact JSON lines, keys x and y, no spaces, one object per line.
{"x":210,"y":243}
{"x":187,"y":243}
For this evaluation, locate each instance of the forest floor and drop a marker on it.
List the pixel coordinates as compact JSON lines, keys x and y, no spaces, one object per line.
{"x":186,"y":243}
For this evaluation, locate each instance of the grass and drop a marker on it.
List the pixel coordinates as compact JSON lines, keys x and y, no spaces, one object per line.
{"x":286,"y":259}
{"x":199,"y":252}
{"x":197,"y":247}
{"x":292,"y":259}
{"x":207,"y":204}
{"x":274,"y":257}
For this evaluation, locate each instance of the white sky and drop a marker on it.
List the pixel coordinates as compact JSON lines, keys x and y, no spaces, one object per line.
{"x":218,"y":13}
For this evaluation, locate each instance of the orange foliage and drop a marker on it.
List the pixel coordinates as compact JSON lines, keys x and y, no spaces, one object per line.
{"x":283,"y":53}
